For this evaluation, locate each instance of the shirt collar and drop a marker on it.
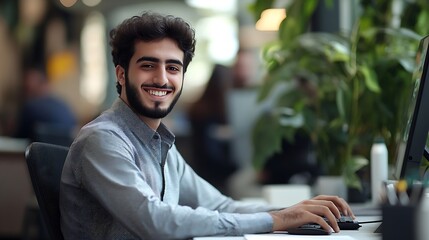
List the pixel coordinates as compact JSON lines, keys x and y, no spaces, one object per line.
{"x":140,"y":128}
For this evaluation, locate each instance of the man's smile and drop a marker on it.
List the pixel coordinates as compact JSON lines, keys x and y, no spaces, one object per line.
{"x":157,"y":91}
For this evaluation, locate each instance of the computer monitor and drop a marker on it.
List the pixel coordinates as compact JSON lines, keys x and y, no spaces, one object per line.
{"x":412,"y":152}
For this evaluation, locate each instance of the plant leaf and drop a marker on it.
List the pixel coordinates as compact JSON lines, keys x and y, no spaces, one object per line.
{"x":296,"y":22}
{"x":370,"y":79}
{"x":258,"y":7}
{"x":353,"y":165}
{"x":267,"y":138}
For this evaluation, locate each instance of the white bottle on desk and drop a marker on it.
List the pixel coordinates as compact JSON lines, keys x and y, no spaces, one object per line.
{"x":379,"y":168}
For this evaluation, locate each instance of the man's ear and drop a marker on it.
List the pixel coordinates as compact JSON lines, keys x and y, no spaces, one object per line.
{"x":120,"y":74}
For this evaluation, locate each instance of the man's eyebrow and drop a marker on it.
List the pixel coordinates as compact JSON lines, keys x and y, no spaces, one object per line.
{"x":174,"y":61}
{"x":149,"y":59}
{"x":153,"y":59}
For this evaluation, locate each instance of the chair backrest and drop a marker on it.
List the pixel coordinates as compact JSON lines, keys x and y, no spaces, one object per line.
{"x":45,"y":163}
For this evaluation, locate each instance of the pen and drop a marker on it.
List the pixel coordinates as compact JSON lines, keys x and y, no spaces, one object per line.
{"x":391,"y":194}
{"x":401,"y":187}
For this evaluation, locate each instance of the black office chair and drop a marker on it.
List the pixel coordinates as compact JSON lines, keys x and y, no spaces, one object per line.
{"x":45,"y":163}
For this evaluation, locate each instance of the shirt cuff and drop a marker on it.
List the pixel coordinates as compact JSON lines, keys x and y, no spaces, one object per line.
{"x":253,"y":223}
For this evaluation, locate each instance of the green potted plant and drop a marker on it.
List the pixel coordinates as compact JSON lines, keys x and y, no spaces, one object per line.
{"x":340,"y":90}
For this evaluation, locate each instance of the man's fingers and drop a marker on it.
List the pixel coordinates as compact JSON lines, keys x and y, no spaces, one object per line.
{"x":317,"y":211}
{"x":303,"y":213}
{"x":327,"y":203}
{"x":340,"y":203}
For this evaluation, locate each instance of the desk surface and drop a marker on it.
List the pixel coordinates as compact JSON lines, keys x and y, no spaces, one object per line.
{"x":366,"y":232}
{"x":13,"y":145}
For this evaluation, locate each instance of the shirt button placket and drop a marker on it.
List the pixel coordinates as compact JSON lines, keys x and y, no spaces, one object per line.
{"x":156,"y":137}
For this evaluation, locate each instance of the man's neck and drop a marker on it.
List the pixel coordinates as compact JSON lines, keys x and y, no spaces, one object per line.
{"x":151,"y":122}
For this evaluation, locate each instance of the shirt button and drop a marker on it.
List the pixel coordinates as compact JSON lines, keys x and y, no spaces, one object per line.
{"x":155,"y":136}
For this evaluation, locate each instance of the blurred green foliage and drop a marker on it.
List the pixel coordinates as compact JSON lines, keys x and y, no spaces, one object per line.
{"x":342,"y":90}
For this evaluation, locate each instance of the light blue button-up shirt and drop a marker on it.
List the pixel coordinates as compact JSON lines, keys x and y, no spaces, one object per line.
{"x":122,"y":180}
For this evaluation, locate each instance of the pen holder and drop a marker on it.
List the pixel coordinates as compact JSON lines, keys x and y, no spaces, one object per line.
{"x":399,"y":222}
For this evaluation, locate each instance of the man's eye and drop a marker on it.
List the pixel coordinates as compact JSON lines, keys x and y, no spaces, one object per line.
{"x":147,"y":66}
{"x":173,"y":68}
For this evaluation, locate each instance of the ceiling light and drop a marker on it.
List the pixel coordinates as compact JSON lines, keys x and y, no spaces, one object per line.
{"x":91,"y":3}
{"x":218,"y":5}
{"x":68,"y":3}
{"x":270,"y":19}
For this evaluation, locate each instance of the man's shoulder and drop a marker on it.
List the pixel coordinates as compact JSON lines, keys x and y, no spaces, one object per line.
{"x":100,"y":139}
{"x":102,"y":127}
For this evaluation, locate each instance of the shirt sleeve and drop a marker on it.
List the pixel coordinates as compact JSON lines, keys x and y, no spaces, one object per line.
{"x":111,"y":176}
{"x":195,"y":191}
{"x":236,"y":217}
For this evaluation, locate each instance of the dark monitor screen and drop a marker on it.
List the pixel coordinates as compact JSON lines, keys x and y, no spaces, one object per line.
{"x":410,"y":160}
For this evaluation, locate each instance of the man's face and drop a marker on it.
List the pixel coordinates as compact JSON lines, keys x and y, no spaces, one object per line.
{"x":154,"y":80}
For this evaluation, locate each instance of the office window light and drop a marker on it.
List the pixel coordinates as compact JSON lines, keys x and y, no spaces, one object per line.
{"x":94,"y":74}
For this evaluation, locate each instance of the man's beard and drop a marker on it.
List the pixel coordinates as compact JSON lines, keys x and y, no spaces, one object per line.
{"x":138,"y":107}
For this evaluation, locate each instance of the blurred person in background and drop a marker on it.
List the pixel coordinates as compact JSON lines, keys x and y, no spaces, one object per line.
{"x":210,"y":130}
{"x":43,"y":116}
{"x":245,"y":70}
{"x":124,"y":178}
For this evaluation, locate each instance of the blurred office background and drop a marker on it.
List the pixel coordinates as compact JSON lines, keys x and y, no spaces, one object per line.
{"x":69,"y":40}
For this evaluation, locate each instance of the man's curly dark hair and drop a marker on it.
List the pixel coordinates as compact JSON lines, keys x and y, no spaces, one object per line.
{"x":149,"y":27}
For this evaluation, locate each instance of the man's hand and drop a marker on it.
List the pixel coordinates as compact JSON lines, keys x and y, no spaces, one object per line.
{"x":312,"y":211}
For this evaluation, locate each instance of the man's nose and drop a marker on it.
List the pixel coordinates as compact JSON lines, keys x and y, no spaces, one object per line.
{"x":160,"y":77}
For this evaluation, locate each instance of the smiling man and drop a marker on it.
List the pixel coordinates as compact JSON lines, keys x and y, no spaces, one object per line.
{"x":154,"y":80}
{"x":124,"y":178}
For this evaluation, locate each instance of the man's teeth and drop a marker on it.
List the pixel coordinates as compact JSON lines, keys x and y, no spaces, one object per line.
{"x":157,"y":93}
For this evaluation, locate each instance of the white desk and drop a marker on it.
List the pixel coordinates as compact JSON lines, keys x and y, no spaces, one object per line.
{"x":366,"y":232}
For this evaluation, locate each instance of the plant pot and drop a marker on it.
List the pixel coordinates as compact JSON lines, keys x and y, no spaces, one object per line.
{"x":356,"y":196}
{"x":363,"y":195}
